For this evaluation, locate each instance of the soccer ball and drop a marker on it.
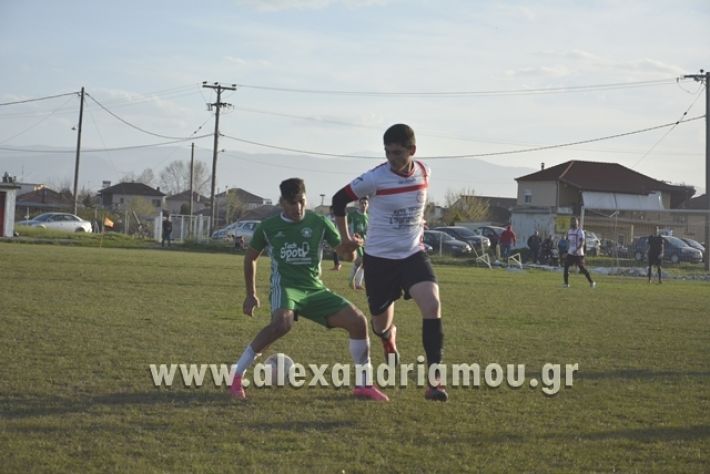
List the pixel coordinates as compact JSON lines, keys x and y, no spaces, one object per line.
{"x":280,"y":365}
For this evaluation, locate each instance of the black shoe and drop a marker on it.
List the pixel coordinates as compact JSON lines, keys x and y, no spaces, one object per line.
{"x":437,"y":394}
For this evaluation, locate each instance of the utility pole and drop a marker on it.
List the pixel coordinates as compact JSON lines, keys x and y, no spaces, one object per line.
{"x":78,"y":151}
{"x":192,"y":176}
{"x":219,"y":104}
{"x":705,"y":78}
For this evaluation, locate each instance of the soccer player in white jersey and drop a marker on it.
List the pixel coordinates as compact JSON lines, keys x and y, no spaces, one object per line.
{"x":295,"y":239}
{"x":575,"y":253}
{"x":395,"y":261}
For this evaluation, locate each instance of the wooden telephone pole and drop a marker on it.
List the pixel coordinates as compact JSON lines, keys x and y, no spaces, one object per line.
{"x":705,"y":78}
{"x":219,"y":104}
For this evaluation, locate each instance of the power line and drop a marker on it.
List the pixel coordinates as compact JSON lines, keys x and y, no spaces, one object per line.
{"x":422,"y":132}
{"x":38,"y":99}
{"x":472,"y":155}
{"x":668,"y":132}
{"x":95,"y":150}
{"x":549,"y":90}
{"x":46,"y":117}
{"x":136,"y":127}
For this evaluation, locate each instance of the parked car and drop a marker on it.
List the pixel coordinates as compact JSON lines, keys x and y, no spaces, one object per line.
{"x":492,"y":232}
{"x":244,"y":229}
{"x":674,"y":250}
{"x":614,"y":249}
{"x":222,"y":233}
{"x":444,"y":243}
{"x":693,"y":243}
{"x":480,"y":243}
{"x":59,"y":221}
{"x":593,"y":244}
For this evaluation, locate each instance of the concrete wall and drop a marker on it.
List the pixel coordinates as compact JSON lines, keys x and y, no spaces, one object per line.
{"x":526,"y":223}
{"x":542,"y":193}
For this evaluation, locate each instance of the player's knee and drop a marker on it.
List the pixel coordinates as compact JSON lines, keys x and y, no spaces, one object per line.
{"x":282,"y":324}
{"x":430,"y":307}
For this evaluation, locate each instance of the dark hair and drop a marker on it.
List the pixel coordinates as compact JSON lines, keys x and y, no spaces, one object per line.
{"x":292,"y":187}
{"x":400,"y":134}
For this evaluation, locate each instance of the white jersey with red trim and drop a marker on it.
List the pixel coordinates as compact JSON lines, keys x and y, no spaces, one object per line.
{"x":576,"y":237}
{"x":396,"y":211}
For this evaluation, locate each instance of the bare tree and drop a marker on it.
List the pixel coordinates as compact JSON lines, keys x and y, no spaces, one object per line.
{"x":175,"y":177}
{"x":235,"y":208}
{"x":61,"y":185}
{"x":464,"y":206}
{"x":146,"y":177}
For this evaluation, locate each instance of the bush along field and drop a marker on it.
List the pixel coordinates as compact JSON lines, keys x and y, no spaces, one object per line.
{"x":615,"y":378}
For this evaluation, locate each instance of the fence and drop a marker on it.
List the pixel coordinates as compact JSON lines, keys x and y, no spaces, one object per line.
{"x":622,"y":233}
{"x":185,"y":227}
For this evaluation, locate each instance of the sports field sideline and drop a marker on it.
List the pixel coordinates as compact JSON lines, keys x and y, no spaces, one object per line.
{"x":79,"y":328}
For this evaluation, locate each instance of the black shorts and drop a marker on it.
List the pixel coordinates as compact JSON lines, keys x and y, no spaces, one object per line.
{"x":575,"y":260}
{"x":387,"y":279}
{"x":654,"y":259}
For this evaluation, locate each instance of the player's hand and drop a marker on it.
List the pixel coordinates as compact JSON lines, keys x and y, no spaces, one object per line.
{"x":251,"y":302}
{"x":347,"y":250}
{"x":351,"y":245}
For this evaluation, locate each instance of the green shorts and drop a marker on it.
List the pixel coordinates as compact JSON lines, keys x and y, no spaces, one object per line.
{"x":316,"y":305}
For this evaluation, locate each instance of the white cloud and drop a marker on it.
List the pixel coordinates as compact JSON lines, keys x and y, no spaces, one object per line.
{"x":280,"y":5}
{"x":539,"y":71}
{"x":518,"y":11}
{"x":652,"y":66}
{"x":232,"y":59}
{"x":594,"y":61}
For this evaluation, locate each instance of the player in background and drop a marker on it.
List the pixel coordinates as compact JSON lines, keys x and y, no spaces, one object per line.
{"x":295,"y":238}
{"x":395,"y":261}
{"x":655,"y":254}
{"x":358,"y":226}
{"x":575,"y":252}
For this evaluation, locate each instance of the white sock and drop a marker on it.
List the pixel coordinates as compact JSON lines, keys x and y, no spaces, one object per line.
{"x":247,"y":358}
{"x":360,"y":276}
{"x":360,"y":352}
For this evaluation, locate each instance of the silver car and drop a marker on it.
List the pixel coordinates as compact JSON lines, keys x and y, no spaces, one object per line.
{"x":59,"y":221}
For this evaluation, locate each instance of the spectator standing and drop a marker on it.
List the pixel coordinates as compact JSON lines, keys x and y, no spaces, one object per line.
{"x":507,"y":241}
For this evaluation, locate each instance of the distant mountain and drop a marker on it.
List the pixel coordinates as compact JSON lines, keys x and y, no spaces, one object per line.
{"x":257,"y":173}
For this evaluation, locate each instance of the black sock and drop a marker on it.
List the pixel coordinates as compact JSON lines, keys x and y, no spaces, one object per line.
{"x":433,"y":339}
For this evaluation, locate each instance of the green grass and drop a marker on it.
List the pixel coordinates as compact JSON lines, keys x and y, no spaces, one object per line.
{"x":80,"y":325}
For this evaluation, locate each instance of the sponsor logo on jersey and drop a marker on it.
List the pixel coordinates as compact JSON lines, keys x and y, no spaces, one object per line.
{"x":296,"y":254}
{"x":307,"y":232}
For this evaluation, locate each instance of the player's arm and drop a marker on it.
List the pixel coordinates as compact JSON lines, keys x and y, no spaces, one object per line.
{"x":348,"y":244}
{"x":251,"y":300}
{"x":580,"y":243}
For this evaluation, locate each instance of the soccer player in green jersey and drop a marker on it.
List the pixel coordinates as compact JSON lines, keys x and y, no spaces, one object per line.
{"x":358,"y":226}
{"x":294,"y":238}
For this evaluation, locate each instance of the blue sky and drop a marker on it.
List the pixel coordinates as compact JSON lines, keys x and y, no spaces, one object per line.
{"x":145,"y":61}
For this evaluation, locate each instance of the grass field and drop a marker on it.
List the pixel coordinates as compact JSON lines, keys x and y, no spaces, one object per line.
{"x":79,"y":327}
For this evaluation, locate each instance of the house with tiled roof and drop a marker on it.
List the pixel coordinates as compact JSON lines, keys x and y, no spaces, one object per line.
{"x":576,"y":183}
{"x":697,"y":202}
{"x":245,"y":198}
{"x":233,"y":203}
{"x":43,"y":200}
{"x":180,"y":203}
{"x":120,"y":195}
{"x":593,"y":191}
